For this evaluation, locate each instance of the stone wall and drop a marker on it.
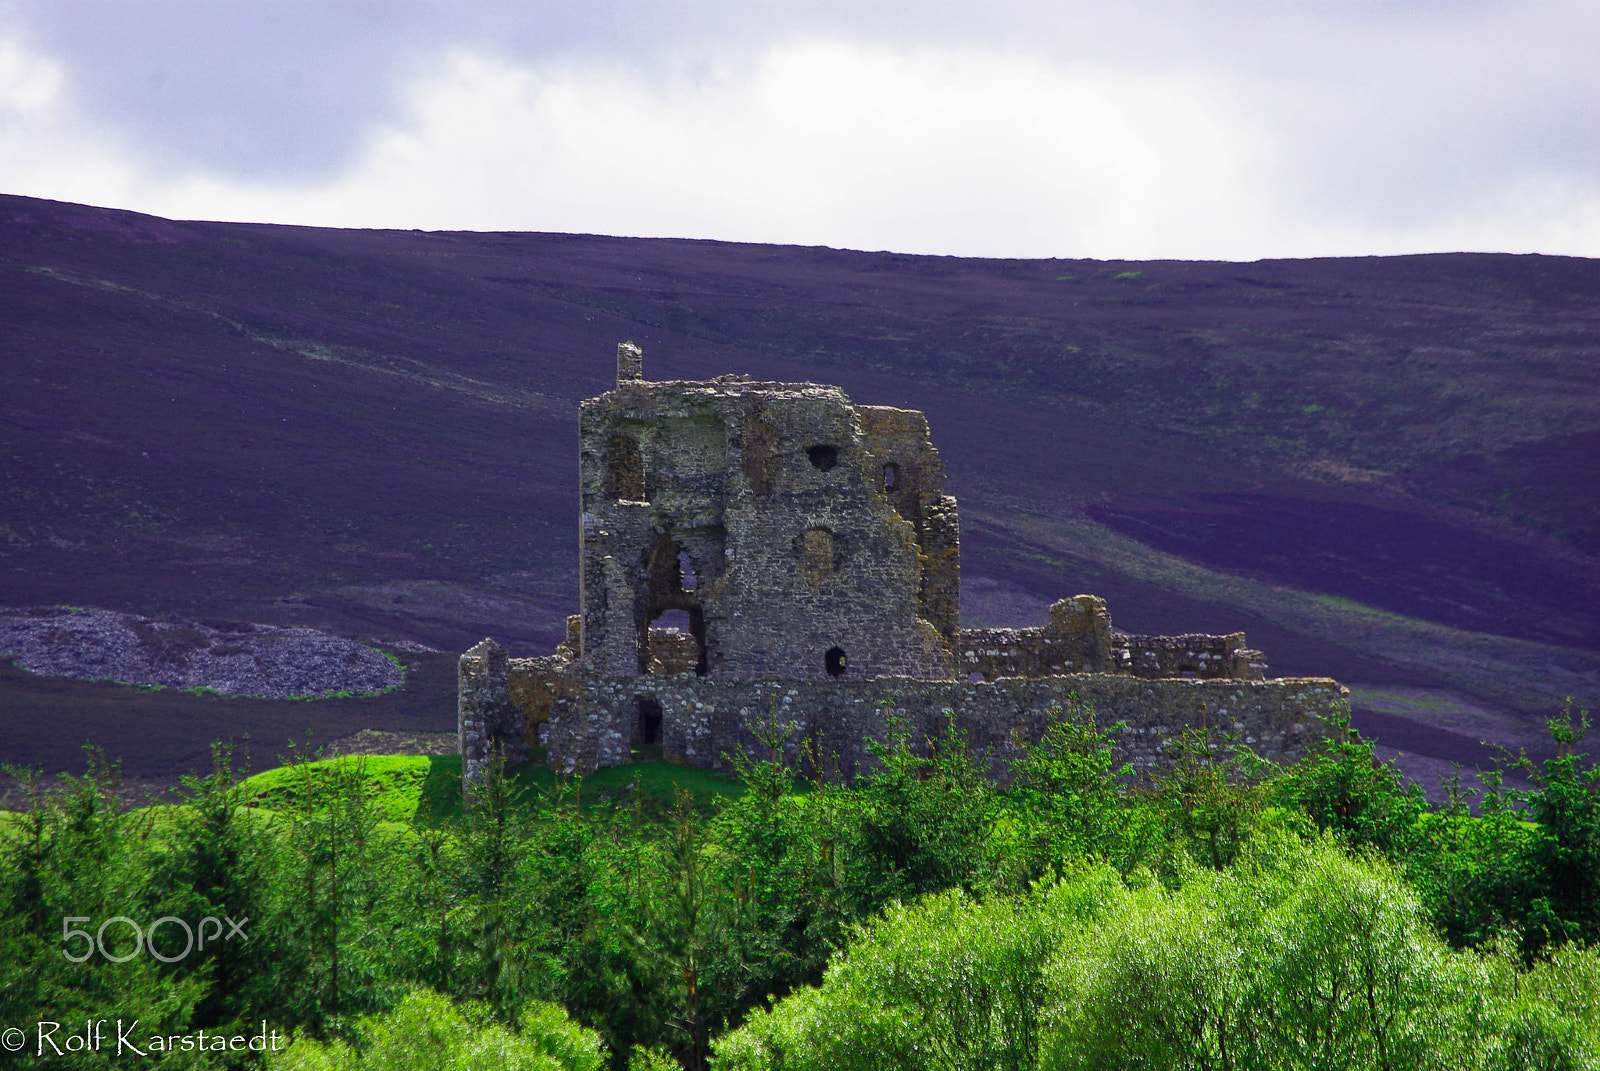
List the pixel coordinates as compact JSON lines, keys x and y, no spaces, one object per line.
{"x":702,"y":721}
{"x":907,"y":469}
{"x":1079,"y":639}
{"x":1197,"y":656}
{"x":486,"y":718}
{"x":672,"y":652}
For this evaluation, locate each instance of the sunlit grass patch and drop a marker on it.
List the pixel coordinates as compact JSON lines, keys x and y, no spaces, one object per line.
{"x":394,"y":783}
{"x":1338,"y":602}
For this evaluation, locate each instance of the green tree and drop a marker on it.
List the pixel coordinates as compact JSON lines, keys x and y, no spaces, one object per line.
{"x":326,"y":899}
{"x":497,"y":912}
{"x":1210,"y":794}
{"x":921,"y":824}
{"x":1343,"y":787}
{"x":214,"y":861}
{"x":686,"y":938}
{"x":1069,"y":798}
{"x":1298,"y":955}
{"x":73,"y":874}
{"x":778,"y":853}
{"x":950,"y":982}
{"x":1566,"y":804}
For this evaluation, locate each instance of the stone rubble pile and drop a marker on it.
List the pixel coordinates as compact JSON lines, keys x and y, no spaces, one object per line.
{"x":234,"y":659}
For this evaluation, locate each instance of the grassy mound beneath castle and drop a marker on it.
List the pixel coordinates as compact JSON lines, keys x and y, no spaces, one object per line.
{"x":393,"y":783}
{"x":651,"y":785}
{"x":426,"y":789}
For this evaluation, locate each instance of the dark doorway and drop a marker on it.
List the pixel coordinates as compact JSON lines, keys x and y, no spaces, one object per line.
{"x":824,"y":457}
{"x":835,"y":661}
{"x":649,"y":721}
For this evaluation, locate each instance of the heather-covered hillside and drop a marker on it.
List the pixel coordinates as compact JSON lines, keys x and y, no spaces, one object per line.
{"x":1385,"y":470}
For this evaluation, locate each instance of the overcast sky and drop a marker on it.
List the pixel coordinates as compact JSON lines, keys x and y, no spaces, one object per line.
{"x":1113,"y":129}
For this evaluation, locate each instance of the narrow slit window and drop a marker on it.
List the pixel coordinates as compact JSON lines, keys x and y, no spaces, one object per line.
{"x":688,"y":579}
{"x":891,"y":477}
{"x":835,"y":661}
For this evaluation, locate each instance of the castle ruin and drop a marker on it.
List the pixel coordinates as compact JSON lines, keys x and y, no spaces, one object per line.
{"x":805,"y":550}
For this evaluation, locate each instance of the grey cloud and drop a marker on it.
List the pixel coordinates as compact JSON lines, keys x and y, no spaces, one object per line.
{"x":283,"y":90}
{"x":1378,"y":109}
{"x":276,"y":90}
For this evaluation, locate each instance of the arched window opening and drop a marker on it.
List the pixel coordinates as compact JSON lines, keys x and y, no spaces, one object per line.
{"x":891,"y":476}
{"x":688,"y":579}
{"x":823,"y":457}
{"x":834,"y":660}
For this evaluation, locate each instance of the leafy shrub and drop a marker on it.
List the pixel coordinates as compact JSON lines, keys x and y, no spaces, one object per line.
{"x":426,"y":1032}
{"x":1298,"y":956}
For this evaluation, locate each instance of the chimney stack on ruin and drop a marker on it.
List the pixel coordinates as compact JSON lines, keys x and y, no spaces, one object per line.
{"x":630,"y":363}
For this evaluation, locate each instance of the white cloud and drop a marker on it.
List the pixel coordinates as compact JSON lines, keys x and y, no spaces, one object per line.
{"x":933,"y":149}
{"x":29,"y":84}
{"x":938,"y":151}
{"x":47,"y":149}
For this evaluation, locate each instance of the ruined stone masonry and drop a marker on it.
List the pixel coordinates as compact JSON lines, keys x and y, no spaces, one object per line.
{"x":753,"y":548}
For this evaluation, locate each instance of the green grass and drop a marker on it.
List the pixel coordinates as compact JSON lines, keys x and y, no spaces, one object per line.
{"x":427,"y":789}
{"x":424,"y":789}
{"x":1413,"y":698}
{"x":657,"y":782}
{"x":394,"y":782}
{"x":1338,"y":602}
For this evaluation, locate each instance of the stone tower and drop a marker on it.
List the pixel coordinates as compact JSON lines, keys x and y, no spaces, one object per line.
{"x":804,"y":537}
